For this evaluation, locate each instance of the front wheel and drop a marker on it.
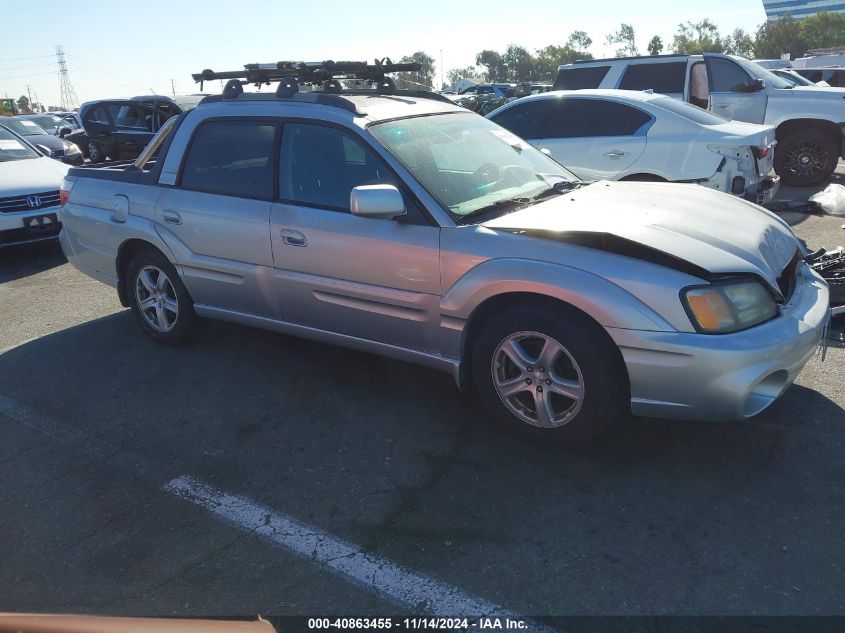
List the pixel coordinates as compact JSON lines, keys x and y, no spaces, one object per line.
{"x":550,"y":375}
{"x":806,"y":157}
{"x":158,"y":299}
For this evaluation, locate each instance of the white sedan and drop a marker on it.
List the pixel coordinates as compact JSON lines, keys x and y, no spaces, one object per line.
{"x":629,"y":135}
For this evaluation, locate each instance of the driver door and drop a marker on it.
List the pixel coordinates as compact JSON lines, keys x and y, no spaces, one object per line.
{"x":376,"y":279}
{"x":731,"y":91}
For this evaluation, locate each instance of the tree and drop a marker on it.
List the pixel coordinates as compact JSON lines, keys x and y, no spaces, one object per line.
{"x":23,"y":103}
{"x":823,"y":30}
{"x":579,"y":41}
{"x":776,"y":38}
{"x":697,"y":38}
{"x":655,"y":45}
{"x":495,"y":67}
{"x":739,"y":43}
{"x":460,"y":73}
{"x":425,"y":76}
{"x":519,"y":63}
{"x":625,"y":37}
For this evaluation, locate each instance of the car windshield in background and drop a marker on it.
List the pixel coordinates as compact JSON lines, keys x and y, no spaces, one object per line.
{"x":758,"y":72}
{"x":689,"y":111}
{"x":12,"y":148}
{"x":24,"y":127}
{"x":468,"y":163}
{"x":47,"y":123}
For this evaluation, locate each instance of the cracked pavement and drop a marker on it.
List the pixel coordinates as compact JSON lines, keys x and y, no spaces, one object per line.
{"x":664,"y":518}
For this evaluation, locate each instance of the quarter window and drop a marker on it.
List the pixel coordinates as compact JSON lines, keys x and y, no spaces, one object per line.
{"x":233,"y":158}
{"x":320,"y":166}
{"x":580,"y":78}
{"x":666,"y":77}
{"x":527,"y":119}
{"x":573,"y":118}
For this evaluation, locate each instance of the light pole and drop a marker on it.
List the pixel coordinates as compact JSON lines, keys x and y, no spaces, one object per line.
{"x":441,"y":69}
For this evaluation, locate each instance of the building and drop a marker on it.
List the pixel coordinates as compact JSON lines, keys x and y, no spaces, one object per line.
{"x":776,"y":9}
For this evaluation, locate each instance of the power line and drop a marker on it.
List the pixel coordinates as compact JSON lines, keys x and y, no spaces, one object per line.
{"x":17,"y":59}
{"x":27,"y":76}
{"x":30,"y":66}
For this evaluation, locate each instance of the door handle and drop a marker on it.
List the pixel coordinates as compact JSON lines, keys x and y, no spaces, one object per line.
{"x":617,"y":153}
{"x":171,"y":217}
{"x":293,"y":238}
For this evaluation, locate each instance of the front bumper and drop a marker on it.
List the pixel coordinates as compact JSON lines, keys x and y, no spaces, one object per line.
{"x":730,"y":376}
{"x":13,"y":229}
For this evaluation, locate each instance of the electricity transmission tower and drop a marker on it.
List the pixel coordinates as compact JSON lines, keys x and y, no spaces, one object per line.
{"x":69,"y":100}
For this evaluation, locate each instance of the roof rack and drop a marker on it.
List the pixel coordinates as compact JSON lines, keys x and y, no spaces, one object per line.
{"x":324,"y":77}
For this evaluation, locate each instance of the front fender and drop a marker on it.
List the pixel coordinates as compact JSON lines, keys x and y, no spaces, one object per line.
{"x":609,"y":304}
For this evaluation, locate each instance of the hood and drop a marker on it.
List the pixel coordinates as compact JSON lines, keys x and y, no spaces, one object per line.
{"x":811,"y":92}
{"x":47,"y":140}
{"x":33,"y":175}
{"x":692,"y":228}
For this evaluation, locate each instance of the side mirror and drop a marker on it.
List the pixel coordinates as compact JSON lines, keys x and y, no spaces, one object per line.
{"x":63,"y":132}
{"x":376,"y":201}
{"x":756,"y":86}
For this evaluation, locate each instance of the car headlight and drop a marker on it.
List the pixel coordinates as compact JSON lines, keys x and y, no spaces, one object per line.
{"x":70,"y":149}
{"x":730,"y":306}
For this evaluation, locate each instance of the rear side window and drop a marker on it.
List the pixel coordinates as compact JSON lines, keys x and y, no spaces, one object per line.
{"x":578,"y":78}
{"x":689,"y":111}
{"x":320,"y":166}
{"x":573,"y":118}
{"x":726,"y":75}
{"x":666,"y":77}
{"x":526,"y":119}
{"x":233,"y":158}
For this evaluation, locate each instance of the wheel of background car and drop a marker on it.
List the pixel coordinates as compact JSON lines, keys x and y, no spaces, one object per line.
{"x":550,"y":374}
{"x":96,"y":152}
{"x":806,"y":157}
{"x":158,"y":299}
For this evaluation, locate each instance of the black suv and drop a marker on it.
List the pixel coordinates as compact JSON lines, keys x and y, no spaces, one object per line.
{"x":120,"y":128}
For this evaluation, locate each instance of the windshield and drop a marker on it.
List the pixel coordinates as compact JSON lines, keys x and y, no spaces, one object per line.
{"x":758,"y":72}
{"x":47,"y":123}
{"x":468,"y":163}
{"x":12,"y":148}
{"x":689,"y":111}
{"x":24,"y":127}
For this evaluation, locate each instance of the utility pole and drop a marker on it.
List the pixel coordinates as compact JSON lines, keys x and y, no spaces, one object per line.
{"x":68,"y":94}
{"x":29,"y":95}
{"x":441,"y":69}
{"x":173,"y":88}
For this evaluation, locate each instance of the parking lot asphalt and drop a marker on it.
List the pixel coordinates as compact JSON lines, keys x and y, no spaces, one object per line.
{"x":97,"y":423}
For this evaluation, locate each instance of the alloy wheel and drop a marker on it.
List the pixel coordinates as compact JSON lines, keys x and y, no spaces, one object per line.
{"x":156,"y":298}
{"x":537,"y":379}
{"x":806,"y":159}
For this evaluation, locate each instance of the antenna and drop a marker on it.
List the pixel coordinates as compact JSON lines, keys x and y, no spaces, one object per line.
{"x":69,"y":101}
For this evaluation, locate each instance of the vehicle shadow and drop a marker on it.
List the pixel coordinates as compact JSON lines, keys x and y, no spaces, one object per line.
{"x":392,"y":457}
{"x":21,"y":261}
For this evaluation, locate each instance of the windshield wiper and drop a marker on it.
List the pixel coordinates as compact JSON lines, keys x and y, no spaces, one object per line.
{"x":562,"y":186}
{"x":494,"y":210}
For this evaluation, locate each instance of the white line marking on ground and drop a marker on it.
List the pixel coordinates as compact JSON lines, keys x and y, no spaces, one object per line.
{"x":416,"y":591}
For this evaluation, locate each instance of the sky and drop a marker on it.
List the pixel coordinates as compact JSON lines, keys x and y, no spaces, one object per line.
{"x":122,"y":50}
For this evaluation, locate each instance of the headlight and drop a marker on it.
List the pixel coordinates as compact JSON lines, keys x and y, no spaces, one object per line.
{"x":728,"y":306}
{"x":70,"y":149}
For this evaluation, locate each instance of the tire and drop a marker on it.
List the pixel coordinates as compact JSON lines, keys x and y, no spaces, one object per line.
{"x":806,"y":157}
{"x":161,"y":306}
{"x":588,"y":365}
{"x":96,"y":152}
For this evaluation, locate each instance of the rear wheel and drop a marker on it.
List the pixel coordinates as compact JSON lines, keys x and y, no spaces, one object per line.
{"x":548,"y":375}
{"x":806,"y":157}
{"x":158,"y":299}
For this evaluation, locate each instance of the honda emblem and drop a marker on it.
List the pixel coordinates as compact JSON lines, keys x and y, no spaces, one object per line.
{"x":33,"y":201}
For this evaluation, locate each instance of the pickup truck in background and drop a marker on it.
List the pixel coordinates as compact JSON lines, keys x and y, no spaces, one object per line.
{"x":808,"y":120}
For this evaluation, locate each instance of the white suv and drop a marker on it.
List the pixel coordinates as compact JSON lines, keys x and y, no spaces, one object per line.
{"x":808,"y":120}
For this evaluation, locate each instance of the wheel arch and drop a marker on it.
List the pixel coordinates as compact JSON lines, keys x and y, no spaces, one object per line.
{"x":125,"y":252}
{"x":833,"y":130}
{"x":499,"y":303}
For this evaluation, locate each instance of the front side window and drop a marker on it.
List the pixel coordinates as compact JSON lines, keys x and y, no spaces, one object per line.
{"x":727,"y":76}
{"x":665,"y":77}
{"x":234,"y":158}
{"x":527,"y":119}
{"x":575,"y":118}
{"x":320,"y":165}
{"x":469,"y":164}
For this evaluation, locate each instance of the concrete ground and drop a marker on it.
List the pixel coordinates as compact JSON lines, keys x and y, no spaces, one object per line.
{"x":665,"y":518}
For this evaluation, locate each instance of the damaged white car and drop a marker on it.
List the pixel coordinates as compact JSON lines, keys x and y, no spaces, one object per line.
{"x":630,"y":135}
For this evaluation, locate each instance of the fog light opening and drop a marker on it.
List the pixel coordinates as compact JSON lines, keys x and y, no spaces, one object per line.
{"x":765,"y":392}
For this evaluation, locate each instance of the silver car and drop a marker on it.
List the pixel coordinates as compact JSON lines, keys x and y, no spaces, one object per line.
{"x":411,"y":228}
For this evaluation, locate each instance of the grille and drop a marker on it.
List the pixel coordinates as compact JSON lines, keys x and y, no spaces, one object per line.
{"x":788,"y":279}
{"x":19,"y":203}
